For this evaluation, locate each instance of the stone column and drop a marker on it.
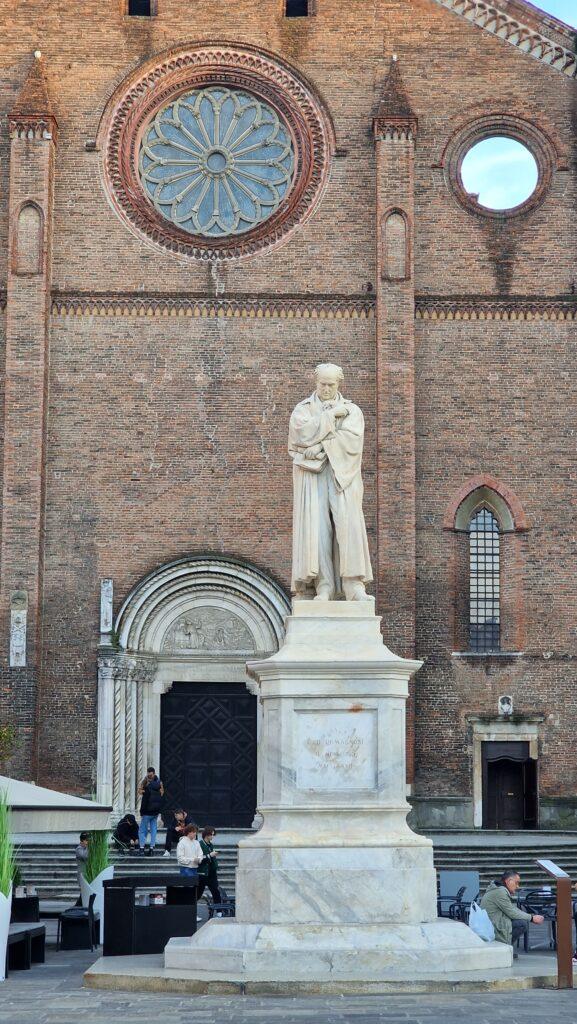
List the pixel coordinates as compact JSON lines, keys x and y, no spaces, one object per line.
{"x":32,"y":129}
{"x":105,"y":738}
{"x":395,"y":128}
{"x":124,"y":682}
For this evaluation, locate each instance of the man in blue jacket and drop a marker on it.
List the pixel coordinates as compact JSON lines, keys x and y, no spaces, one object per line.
{"x":152,"y":792}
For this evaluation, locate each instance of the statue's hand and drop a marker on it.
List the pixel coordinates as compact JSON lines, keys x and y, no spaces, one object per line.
{"x":340,"y":411}
{"x":316,"y":451}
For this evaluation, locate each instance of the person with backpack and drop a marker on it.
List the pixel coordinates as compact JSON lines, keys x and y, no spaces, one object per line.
{"x":152,"y":792}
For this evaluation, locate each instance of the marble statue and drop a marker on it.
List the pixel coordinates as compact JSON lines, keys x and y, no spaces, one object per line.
{"x":330,"y":550}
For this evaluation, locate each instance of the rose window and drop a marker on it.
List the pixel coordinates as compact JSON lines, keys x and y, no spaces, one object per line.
{"x":216,"y":161}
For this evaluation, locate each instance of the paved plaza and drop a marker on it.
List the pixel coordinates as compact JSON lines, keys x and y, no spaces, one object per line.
{"x":53,"y":993}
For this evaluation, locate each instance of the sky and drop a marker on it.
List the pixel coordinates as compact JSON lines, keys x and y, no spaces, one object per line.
{"x":564,"y":9}
{"x":501,"y":172}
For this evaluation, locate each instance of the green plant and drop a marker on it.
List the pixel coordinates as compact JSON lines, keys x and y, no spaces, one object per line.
{"x":6,"y":846}
{"x":8,"y":741}
{"x":17,"y":878}
{"x":98,"y":854}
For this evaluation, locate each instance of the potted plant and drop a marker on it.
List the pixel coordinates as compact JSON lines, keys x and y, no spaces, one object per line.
{"x":98,"y":870}
{"x":6,"y":873}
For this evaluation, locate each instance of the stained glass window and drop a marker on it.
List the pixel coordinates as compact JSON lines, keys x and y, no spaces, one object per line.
{"x":484,"y":612}
{"x":216,"y":161}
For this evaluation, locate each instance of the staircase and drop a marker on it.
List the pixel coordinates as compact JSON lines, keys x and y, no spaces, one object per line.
{"x":48,"y":862}
{"x":51,"y":865}
{"x":490,"y":853}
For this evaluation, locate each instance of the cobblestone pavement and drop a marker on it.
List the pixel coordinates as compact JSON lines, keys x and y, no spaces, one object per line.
{"x":52,"y":993}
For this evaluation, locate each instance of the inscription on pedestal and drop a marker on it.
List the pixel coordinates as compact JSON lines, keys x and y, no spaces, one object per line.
{"x":336,"y":750}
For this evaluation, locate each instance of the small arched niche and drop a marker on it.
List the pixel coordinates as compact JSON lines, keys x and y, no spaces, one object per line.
{"x":29,"y":240}
{"x":395,"y":246}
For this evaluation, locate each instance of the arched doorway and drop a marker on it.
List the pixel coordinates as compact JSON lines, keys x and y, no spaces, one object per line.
{"x":174,"y":694}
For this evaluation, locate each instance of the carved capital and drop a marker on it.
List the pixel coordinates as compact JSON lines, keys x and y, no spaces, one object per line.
{"x":39,"y":128}
{"x":392,"y":129}
{"x":133,"y":670}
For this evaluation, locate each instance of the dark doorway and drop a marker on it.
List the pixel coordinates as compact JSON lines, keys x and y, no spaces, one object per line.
{"x":208,"y":752}
{"x":509,"y":787}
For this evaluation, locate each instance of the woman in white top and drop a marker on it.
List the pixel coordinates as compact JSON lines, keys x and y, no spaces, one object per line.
{"x":189,"y":852}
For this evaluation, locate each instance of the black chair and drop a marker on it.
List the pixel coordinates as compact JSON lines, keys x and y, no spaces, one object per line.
{"x":454,"y":903}
{"x":76,"y":923}
{"x":463,"y":909}
{"x":538,"y":901}
{"x":226,"y":907}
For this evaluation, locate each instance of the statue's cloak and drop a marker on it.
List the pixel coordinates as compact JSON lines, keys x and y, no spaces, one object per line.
{"x":313,"y":422}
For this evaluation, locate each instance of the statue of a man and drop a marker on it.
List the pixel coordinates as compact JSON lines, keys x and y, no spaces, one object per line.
{"x":330,"y":550}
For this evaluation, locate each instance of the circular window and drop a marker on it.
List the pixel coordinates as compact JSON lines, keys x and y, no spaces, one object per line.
{"x":216,"y":162}
{"x":499,"y":166}
{"x":499,"y":173}
{"x":216,"y":152}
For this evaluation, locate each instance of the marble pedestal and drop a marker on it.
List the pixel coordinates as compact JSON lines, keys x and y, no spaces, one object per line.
{"x":335,"y":887}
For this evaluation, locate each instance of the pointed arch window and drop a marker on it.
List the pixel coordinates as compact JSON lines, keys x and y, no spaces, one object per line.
{"x":484,"y":581}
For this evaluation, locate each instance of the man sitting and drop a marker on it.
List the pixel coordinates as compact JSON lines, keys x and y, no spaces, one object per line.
{"x":175,"y":829}
{"x":499,"y":901}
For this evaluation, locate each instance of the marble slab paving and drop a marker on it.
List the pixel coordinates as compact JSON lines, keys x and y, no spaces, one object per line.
{"x":53,"y":993}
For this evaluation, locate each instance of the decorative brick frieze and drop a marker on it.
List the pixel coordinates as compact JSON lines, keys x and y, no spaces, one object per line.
{"x":321,"y":307}
{"x":487,"y":307}
{"x":529,"y":40}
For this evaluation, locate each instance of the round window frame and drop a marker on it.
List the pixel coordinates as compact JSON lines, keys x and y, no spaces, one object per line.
{"x":500,"y":126}
{"x":135,"y":104}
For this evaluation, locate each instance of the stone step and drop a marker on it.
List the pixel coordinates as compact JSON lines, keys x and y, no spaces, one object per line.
{"x":51,"y":867}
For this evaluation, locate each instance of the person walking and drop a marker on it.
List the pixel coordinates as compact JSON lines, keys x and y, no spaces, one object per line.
{"x":152,"y":792}
{"x":208,"y":870}
{"x":189,"y":852}
{"x":175,"y":829}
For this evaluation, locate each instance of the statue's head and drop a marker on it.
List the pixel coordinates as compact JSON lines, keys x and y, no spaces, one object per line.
{"x":328,"y":378}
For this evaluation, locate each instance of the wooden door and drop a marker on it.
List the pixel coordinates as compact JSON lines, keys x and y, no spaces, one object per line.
{"x":506,"y":782}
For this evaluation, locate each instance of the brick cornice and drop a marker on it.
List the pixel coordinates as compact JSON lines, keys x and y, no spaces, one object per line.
{"x":537,"y":36}
{"x":487,"y":307}
{"x":329,"y":307}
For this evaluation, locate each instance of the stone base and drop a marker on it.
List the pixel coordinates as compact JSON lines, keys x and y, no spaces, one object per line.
{"x":246,"y":953}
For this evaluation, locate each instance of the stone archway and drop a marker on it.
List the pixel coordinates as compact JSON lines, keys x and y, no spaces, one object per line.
{"x":198,"y":619}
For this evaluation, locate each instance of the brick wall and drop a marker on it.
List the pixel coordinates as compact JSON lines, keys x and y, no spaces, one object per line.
{"x":167,"y":435}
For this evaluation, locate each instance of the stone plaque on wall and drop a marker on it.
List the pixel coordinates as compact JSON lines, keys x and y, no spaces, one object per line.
{"x":337,"y":750}
{"x":18,"y":616}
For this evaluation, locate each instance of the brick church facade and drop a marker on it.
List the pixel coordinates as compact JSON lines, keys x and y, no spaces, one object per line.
{"x":198,"y":203}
